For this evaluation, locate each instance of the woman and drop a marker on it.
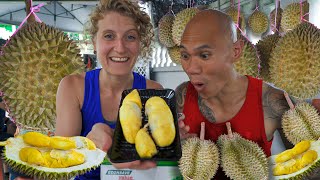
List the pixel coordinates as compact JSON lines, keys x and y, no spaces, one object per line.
{"x":88,"y":103}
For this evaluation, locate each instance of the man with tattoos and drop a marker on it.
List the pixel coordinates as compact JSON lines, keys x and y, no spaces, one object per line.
{"x":216,"y":93}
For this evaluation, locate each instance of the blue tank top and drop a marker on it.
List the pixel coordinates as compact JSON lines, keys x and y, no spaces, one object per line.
{"x":91,"y":109}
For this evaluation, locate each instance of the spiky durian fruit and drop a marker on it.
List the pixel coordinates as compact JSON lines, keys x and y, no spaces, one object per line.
{"x":264,"y":48}
{"x":144,"y":144}
{"x":200,"y":158}
{"x":180,"y":22}
{"x":299,"y":166}
{"x":174,"y":54}
{"x":291,"y":15}
{"x":56,"y":162}
{"x":130,"y":116}
{"x":233,"y":13}
{"x":295,"y":62}
{"x":161,"y":121}
{"x":165,"y":30}
{"x":241,"y":158}
{"x":301,"y":123}
{"x":33,"y":63}
{"x":274,"y":20}
{"x":248,"y":63}
{"x":258,"y":22}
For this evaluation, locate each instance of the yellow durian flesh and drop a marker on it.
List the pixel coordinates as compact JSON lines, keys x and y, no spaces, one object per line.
{"x":63,"y":143}
{"x":32,"y":155}
{"x":144,"y":144}
{"x":133,"y":96}
{"x":130,"y":120}
{"x":161,"y":121}
{"x":301,"y":166}
{"x":84,"y":142}
{"x":36,"y":139}
{"x":63,"y":159}
{"x":290,"y":153}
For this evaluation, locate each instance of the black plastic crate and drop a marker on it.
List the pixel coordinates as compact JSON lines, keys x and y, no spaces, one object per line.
{"x":122,"y":151}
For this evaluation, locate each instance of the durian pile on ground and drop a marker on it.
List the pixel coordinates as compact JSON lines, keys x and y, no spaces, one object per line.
{"x":265,"y":46}
{"x":33,"y":63}
{"x":160,"y":121}
{"x":241,"y":158}
{"x":258,"y":22}
{"x":200,"y":158}
{"x":301,"y":122}
{"x":248,"y":62}
{"x":43,"y":157}
{"x":291,"y":16}
{"x":295,"y":61}
{"x":296,"y":163}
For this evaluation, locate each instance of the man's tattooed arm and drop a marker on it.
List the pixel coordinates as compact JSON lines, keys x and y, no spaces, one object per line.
{"x":206,"y":111}
{"x":181,"y":91}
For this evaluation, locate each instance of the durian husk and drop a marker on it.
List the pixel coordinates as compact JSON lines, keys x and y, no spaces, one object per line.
{"x":93,"y":158}
{"x":180,"y":22}
{"x":278,"y":20}
{"x":248,"y":63}
{"x":233,"y":13}
{"x":264,"y":47}
{"x":200,"y":159}
{"x":174,"y":54}
{"x":302,"y":173}
{"x":258,"y":22}
{"x":291,"y":16}
{"x":295,"y":62}
{"x":301,"y":123}
{"x":242,"y":158}
{"x":33,"y":63}
{"x":165,"y":30}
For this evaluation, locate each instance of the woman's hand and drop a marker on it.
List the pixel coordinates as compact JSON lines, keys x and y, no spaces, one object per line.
{"x":101,"y":134}
{"x":140,"y":165}
{"x":184,"y":129}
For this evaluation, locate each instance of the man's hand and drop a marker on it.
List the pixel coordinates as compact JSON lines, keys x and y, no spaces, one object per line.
{"x":184,"y":129}
{"x":101,"y":134}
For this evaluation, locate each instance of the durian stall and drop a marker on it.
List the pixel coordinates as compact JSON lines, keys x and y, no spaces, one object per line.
{"x":281,"y":46}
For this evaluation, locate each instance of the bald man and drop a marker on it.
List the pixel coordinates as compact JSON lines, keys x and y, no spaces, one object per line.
{"x":216,"y":93}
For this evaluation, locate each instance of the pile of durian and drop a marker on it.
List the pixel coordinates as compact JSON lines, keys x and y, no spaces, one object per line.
{"x":296,"y":163}
{"x":43,"y":157}
{"x":160,"y":122}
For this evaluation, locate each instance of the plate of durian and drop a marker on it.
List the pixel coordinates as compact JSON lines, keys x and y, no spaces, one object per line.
{"x":147,"y":127}
{"x":44,"y":157}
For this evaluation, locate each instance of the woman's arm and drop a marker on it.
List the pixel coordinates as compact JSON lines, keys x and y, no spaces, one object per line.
{"x":68,"y":106}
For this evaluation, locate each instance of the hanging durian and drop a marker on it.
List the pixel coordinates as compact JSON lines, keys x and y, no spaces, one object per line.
{"x":130,"y":116}
{"x":144,"y":144}
{"x":265,"y":46}
{"x":200,"y":158}
{"x":295,"y":62}
{"x":47,"y":163}
{"x":174,"y":53}
{"x":258,"y":22}
{"x":291,"y":15}
{"x":161,"y":121}
{"x":233,"y":13}
{"x":274,"y":19}
{"x":241,"y":158}
{"x":248,"y":63}
{"x":165,"y":30}
{"x":180,"y":22}
{"x":33,"y":63}
{"x":297,"y":163}
{"x":301,"y":122}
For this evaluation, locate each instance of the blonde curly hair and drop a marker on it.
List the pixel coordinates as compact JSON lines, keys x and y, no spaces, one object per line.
{"x":129,"y":9}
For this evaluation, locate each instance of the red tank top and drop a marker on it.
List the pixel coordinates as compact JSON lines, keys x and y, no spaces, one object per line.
{"x":248,"y":122}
